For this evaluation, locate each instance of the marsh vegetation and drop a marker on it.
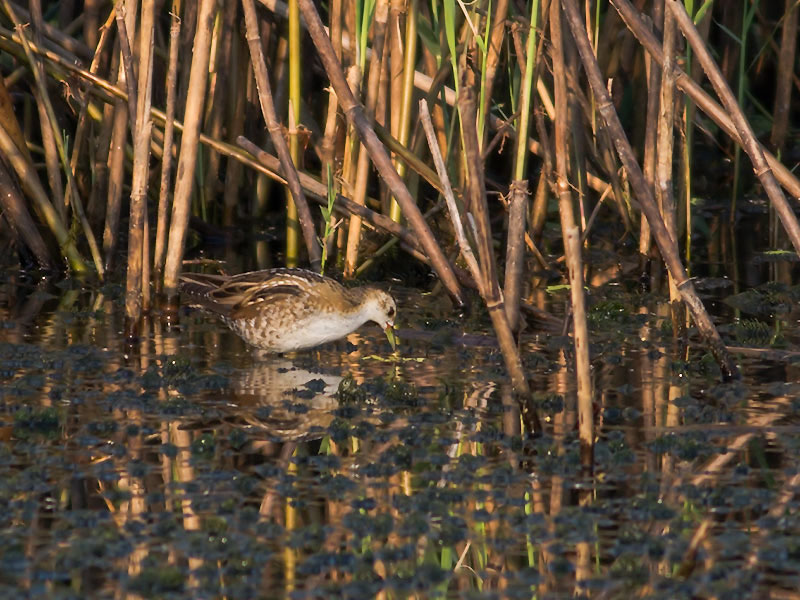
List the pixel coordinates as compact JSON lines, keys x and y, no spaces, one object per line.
{"x":586,"y":211}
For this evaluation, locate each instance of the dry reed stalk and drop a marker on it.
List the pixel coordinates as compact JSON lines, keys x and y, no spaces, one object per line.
{"x":103,"y":89}
{"x":686,"y":141}
{"x":218,"y":90}
{"x":368,"y":262}
{"x":377,"y":152}
{"x":240,"y":158}
{"x":354,"y":82}
{"x":783,"y":78}
{"x":256,"y":199}
{"x":488,"y":288}
{"x":363,"y":168}
{"x":8,"y":120}
{"x":667,"y":246}
{"x":98,"y":159}
{"x":491,"y":289}
{"x":518,"y":190}
{"x":421,"y":81}
{"x":538,"y":211}
{"x":608,"y":160}
{"x":449,"y":196}
{"x":136,"y":285}
{"x":34,"y":190}
{"x":382,"y":114}
{"x":189,"y":25}
{"x":515,"y":250}
{"x":276,"y":134}
{"x":496,"y":38}
{"x":58,"y":38}
{"x":382,"y":101}
{"x":116,"y":157}
{"x":579,"y":159}
{"x":278,"y":65}
{"x":184,"y":179}
{"x":166,"y":155}
{"x":83,"y":123}
{"x":40,"y":95}
{"x":475,"y":195}
{"x":22,"y":224}
{"x":749,"y":142}
{"x":234,"y":168}
{"x":52,"y":122}
{"x":124,"y":38}
{"x":691,"y":88}
{"x":91,"y":21}
{"x":343,"y":205}
{"x":349,"y":160}
{"x":572,"y":245}
{"x":769,"y":41}
{"x":561,"y":149}
{"x":663,"y":187}
{"x":539,"y":205}
{"x":603,"y":155}
{"x":328,"y":143}
{"x":580,"y":332}
{"x":651,"y":129}
{"x":434,"y":82}
{"x":406,"y":157}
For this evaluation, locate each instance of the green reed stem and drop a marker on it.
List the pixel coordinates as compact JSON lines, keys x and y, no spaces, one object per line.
{"x":701,"y":12}
{"x":450,"y":34}
{"x":364,"y":12}
{"x":295,"y":78}
{"x":527,"y":90}
{"x":327,"y":216}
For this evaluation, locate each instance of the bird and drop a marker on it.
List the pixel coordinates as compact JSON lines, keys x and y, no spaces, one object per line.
{"x":289,"y":309}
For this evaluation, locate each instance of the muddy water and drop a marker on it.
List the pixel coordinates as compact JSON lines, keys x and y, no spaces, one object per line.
{"x":186,"y":466}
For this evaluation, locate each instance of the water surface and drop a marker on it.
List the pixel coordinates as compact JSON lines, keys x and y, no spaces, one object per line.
{"x":187,"y":466}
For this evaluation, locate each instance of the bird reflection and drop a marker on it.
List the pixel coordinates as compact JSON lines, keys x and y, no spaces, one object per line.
{"x":285,"y":401}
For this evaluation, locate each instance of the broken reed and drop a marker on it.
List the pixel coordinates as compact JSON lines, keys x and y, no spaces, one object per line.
{"x":300,"y":123}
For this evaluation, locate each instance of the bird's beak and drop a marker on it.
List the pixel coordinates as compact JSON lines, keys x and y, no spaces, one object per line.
{"x":391,"y":337}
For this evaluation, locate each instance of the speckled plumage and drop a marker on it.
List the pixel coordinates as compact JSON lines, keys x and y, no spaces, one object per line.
{"x":281,"y":310}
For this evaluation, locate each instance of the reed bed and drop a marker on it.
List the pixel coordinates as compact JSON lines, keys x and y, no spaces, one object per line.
{"x":103,"y":105}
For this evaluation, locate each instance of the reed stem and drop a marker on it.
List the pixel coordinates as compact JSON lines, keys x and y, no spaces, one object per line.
{"x":286,"y":155}
{"x":572,"y":243}
{"x":380,"y":158}
{"x":137,"y":288}
{"x":189,"y":141}
{"x":667,"y":246}
{"x":166,"y":155}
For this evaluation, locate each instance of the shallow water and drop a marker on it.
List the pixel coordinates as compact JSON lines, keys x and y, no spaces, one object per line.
{"x":187,"y":466}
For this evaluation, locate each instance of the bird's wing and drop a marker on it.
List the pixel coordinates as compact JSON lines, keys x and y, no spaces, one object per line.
{"x":280,"y":286}
{"x":207,"y":291}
